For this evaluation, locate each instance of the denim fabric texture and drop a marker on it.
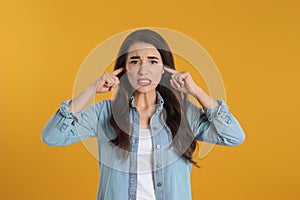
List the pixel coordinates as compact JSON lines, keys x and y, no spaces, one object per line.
{"x":118,"y":176}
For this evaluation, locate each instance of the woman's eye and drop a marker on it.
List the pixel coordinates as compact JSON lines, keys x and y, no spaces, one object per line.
{"x":134,"y":62}
{"x":153,"y":62}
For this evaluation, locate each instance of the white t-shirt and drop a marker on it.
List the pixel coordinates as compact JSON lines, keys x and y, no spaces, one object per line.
{"x":145,"y":186}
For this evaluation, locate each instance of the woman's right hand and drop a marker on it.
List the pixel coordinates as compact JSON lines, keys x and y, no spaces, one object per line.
{"x":107,"y":81}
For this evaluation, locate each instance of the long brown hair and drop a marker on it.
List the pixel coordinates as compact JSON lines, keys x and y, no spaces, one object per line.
{"x":174,"y":101}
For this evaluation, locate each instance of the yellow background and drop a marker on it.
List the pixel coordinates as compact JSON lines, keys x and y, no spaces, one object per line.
{"x":255,"y":45}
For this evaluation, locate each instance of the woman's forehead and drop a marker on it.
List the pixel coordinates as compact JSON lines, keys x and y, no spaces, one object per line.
{"x":141,"y":46}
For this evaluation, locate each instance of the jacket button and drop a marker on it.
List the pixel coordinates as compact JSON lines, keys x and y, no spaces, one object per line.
{"x":154,"y":128}
{"x":227,"y":120}
{"x":158,"y":165}
{"x":63,"y":127}
{"x":159,"y":184}
{"x":158,"y":146}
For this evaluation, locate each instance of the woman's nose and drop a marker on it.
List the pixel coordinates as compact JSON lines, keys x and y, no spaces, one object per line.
{"x":143,"y":69}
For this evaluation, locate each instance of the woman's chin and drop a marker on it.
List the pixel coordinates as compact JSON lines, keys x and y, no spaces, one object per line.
{"x":145,"y":89}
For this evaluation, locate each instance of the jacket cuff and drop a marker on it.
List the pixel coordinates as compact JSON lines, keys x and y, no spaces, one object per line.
{"x":65,"y":108}
{"x":219,"y":112}
{"x":69,"y":117}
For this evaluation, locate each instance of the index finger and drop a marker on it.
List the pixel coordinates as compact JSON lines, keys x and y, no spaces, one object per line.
{"x":117,"y":71}
{"x":171,"y":71}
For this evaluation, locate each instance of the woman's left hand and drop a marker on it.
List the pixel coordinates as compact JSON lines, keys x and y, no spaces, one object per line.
{"x":182,"y":81}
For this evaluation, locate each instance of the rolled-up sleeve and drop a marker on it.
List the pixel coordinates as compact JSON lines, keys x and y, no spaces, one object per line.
{"x":65,"y":128}
{"x":215,"y":125}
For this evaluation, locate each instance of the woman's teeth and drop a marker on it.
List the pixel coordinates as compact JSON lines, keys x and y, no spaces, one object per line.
{"x":144,"y":81}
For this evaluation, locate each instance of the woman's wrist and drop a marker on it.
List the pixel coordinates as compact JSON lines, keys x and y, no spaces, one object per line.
{"x":204,"y":99}
{"x":196,"y":93}
{"x":92,"y":89}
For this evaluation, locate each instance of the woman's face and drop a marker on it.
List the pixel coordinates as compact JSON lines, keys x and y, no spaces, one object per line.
{"x":144,"y":67}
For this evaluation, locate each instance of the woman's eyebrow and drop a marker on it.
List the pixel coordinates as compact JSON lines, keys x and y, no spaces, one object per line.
{"x":153,"y":57}
{"x":134,"y":57}
{"x":149,"y":57}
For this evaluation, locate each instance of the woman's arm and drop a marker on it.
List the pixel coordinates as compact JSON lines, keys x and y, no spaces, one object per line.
{"x":214,"y":123}
{"x":72,"y":123}
{"x":107,"y":82}
{"x":183,"y":82}
{"x":65,"y":128}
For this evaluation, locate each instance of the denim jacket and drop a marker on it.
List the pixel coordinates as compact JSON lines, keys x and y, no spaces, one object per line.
{"x":118,"y":176}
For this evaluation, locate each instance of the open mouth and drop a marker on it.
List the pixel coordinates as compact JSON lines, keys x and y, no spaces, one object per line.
{"x":144,"y":82}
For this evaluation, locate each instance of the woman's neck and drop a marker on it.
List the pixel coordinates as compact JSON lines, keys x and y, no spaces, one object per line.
{"x":144,"y":101}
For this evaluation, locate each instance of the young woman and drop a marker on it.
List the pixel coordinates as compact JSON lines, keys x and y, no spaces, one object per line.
{"x":149,"y":132}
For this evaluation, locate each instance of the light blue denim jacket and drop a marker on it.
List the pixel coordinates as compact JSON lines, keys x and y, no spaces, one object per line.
{"x":118,"y":177}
